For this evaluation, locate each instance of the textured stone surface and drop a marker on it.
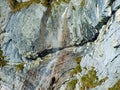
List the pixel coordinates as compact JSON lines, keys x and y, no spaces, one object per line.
{"x":90,"y":30}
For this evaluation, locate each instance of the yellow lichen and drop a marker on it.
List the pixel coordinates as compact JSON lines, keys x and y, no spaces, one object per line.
{"x":90,"y":80}
{"x":116,"y":86}
{"x":20,"y":66}
{"x":71,"y":85}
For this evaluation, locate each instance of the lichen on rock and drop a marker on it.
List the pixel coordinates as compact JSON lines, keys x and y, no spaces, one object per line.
{"x":116,"y":86}
{"x":20,"y":66}
{"x":17,"y":6}
{"x":3,"y":62}
{"x":90,"y":80}
{"x":71,"y":84}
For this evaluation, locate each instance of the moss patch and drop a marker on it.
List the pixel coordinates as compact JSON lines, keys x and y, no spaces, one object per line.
{"x":71,"y":85}
{"x":116,"y":86}
{"x":90,"y":80}
{"x":2,"y":61}
{"x":17,"y":6}
{"x":82,"y":3}
{"x":77,"y":69}
{"x":78,"y":60}
{"x":73,"y":8}
{"x":20,"y":66}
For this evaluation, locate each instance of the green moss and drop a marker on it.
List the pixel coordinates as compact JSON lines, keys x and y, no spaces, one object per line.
{"x":54,"y":2}
{"x":116,"y":86}
{"x":20,"y":66}
{"x":78,"y":60}
{"x":76,"y":70}
{"x":71,"y":85}
{"x":73,"y":8}
{"x":90,"y":80}
{"x":17,"y":6}
{"x":82,"y":3}
{"x":2,"y":61}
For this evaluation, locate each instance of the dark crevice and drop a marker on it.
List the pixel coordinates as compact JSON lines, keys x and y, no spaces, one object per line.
{"x":103,"y":22}
{"x":53,"y":50}
{"x":117,"y":46}
{"x":83,"y":42}
{"x":117,"y":7}
{"x":48,"y":51}
{"x":111,"y":2}
{"x":115,"y":57}
{"x":45,"y":52}
{"x":52,"y":82}
{"x":105,"y":19}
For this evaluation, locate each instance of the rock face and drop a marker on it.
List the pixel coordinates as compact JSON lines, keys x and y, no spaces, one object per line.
{"x":58,"y":45}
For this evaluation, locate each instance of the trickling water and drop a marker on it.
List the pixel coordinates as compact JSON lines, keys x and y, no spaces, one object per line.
{"x":62,"y":24}
{"x":48,"y":70}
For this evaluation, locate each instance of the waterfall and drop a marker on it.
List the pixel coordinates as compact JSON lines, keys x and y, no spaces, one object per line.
{"x":47,"y":71}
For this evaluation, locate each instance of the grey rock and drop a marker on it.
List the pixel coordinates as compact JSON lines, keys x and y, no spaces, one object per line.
{"x":48,"y":41}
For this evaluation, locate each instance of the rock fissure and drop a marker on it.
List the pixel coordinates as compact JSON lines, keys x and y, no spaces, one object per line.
{"x":105,"y":19}
{"x":84,"y":41}
{"x":117,"y":46}
{"x":115,"y":57}
{"x":53,"y":50}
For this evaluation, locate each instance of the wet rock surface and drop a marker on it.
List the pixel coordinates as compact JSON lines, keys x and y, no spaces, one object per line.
{"x":41,"y":45}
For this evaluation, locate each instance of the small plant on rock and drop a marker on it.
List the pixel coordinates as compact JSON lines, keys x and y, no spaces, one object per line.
{"x":20,"y":66}
{"x":116,"y":86}
{"x":71,"y":85}
{"x":2,"y":61}
{"x":90,"y":80}
{"x":78,"y":68}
